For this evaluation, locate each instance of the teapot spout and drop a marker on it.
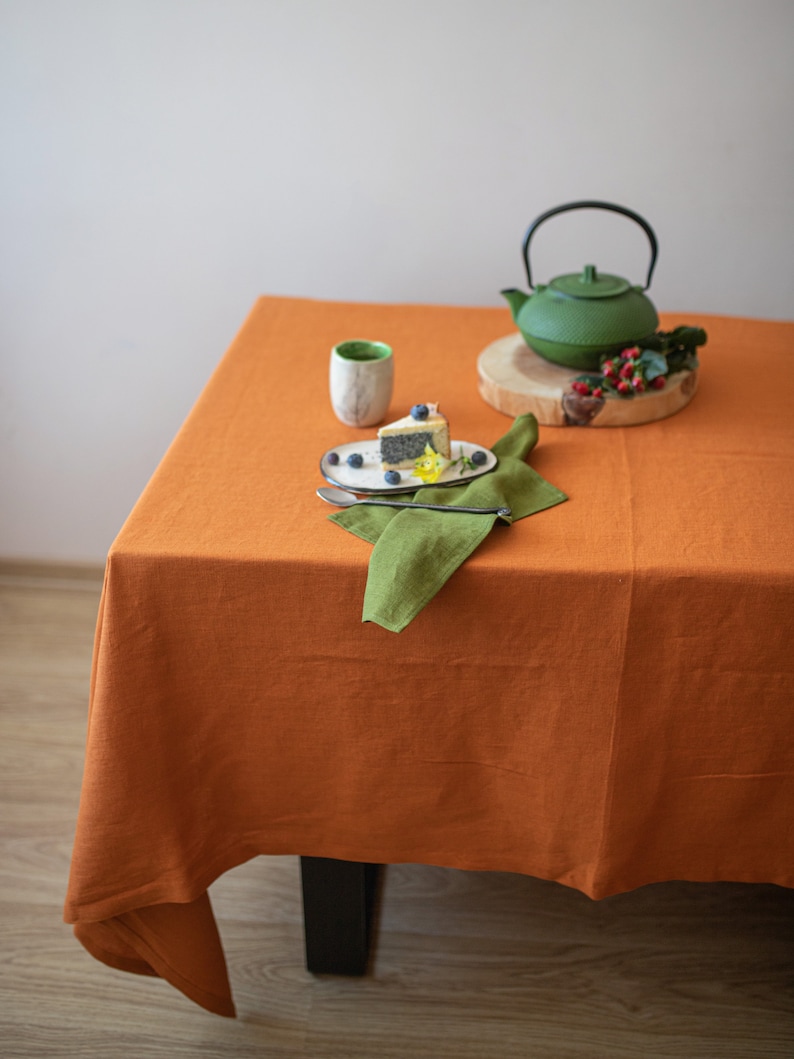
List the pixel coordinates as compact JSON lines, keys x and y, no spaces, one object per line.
{"x":516,"y":299}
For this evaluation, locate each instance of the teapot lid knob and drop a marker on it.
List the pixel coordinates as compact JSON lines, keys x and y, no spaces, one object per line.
{"x":589,"y":274}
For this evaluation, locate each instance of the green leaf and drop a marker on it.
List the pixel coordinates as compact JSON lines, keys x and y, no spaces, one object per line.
{"x":689,"y":338}
{"x":652,"y":364}
{"x":655,"y":342}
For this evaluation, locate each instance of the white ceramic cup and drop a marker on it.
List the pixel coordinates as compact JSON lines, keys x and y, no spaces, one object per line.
{"x":361,"y":378}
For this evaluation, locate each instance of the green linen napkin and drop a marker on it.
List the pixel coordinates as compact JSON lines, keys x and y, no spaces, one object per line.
{"x":416,"y":552}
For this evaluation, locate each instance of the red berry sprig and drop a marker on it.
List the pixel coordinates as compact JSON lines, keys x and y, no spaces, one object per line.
{"x":632,"y":371}
{"x":586,"y":389}
{"x":624,"y":374}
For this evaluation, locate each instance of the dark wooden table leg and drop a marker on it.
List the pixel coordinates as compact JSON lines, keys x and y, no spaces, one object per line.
{"x":338,"y":899}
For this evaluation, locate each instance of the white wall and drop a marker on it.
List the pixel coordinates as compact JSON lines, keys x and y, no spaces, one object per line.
{"x":166,"y":161}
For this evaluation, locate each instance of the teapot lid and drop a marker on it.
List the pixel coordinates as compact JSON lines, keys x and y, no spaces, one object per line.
{"x":590,"y":284}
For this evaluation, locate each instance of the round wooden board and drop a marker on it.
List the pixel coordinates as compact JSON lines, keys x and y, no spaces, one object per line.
{"x":514,"y":380}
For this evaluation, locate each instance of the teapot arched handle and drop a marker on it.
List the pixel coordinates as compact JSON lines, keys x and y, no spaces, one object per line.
{"x":592,"y":204}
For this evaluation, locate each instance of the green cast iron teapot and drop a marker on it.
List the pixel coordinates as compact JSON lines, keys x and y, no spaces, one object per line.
{"x":577,"y":318}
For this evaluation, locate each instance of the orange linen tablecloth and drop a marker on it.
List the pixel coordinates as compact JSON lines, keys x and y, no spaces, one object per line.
{"x":601,"y":695}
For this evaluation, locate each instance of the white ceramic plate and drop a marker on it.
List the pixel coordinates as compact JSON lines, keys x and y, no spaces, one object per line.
{"x":369,"y":477}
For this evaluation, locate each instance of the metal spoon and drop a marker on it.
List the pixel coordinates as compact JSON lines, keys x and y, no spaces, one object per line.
{"x":341,"y":498}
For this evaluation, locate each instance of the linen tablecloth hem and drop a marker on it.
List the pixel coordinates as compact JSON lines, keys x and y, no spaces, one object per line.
{"x":586,"y":879}
{"x":110,"y":958}
{"x":193,"y":882}
{"x":143,"y":940}
{"x":592,"y":878}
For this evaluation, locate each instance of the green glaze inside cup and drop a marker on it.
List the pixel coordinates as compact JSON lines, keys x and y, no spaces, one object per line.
{"x":360,"y":350}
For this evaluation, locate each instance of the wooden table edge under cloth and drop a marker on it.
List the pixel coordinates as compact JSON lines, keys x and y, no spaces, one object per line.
{"x":513,"y":379}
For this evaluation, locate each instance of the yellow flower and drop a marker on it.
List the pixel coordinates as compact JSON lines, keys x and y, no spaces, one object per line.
{"x":430,"y":466}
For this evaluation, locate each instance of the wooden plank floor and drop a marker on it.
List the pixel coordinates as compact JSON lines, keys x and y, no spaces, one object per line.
{"x":467,"y":964}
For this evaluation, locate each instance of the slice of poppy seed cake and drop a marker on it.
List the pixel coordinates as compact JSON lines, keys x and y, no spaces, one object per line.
{"x":403,"y":441}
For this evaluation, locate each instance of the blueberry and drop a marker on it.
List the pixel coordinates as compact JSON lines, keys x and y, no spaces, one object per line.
{"x":392,"y":477}
{"x":420,"y":411}
{"x":479,"y":458}
{"x":355,"y":459}
{"x":333,"y":458}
